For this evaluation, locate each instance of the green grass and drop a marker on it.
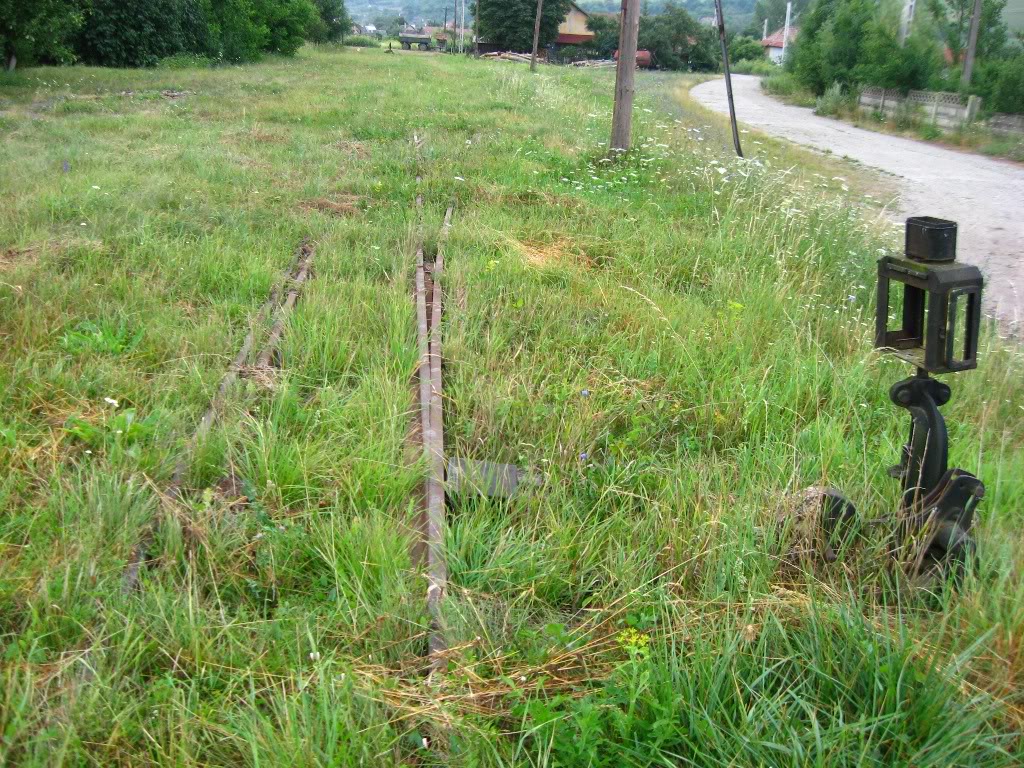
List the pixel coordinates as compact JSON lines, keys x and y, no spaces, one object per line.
{"x":673,"y":342}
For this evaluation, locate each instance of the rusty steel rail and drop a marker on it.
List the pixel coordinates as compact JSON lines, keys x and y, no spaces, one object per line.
{"x":297,"y":275}
{"x":429,"y":300}
{"x":281,"y":316}
{"x":433,"y":442}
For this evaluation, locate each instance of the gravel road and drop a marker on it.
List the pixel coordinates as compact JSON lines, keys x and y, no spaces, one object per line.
{"x":984,"y":196}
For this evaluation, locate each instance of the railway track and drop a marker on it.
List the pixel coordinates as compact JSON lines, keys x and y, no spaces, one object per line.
{"x":277,"y":310}
{"x":270,"y":324}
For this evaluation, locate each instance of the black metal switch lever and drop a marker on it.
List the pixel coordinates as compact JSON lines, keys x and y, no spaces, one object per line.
{"x":938,"y":332}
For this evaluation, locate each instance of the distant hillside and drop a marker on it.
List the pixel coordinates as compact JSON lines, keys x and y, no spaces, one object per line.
{"x":416,"y":11}
{"x":696,"y":7}
{"x":1015,"y":15}
{"x":737,"y":12}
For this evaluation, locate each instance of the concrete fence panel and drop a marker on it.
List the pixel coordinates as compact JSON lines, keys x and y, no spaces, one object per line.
{"x":949,"y":110}
{"x":1007,"y":125}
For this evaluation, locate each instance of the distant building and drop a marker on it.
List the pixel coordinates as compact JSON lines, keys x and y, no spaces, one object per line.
{"x":440,"y":34}
{"x":574,"y":30}
{"x":773,"y":43}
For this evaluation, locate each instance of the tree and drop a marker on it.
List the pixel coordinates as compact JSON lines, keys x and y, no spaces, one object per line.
{"x":606,"y":35}
{"x":138,"y":33}
{"x":509,"y":23}
{"x":854,"y":42}
{"x":37,"y":30}
{"x":887,"y":64}
{"x":775,"y":12}
{"x":677,"y":41}
{"x":744,"y":48}
{"x":331,"y":23}
{"x":390,"y":25}
{"x":954,"y":20}
{"x":238,"y":32}
{"x":287,"y":21}
{"x":830,"y":42}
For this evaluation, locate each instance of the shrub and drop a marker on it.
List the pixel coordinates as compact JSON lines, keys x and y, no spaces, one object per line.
{"x":835,"y":99}
{"x":362,"y":41}
{"x":1008,"y":93}
{"x":787,"y":87}
{"x":755,"y":67}
{"x":185,"y":61}
{"x":906,"y":116}
{"x":139,"y":33}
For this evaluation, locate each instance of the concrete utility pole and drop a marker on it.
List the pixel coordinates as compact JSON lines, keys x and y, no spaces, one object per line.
{"x":536,"y":35}
{"x":444,"y":27}
{"x":972,"y":45}
{"x":785,"y":31}
{"x":625,"y":76}
{"x":764,"y":32}
{"x":728,"y":77}
{"x":908,"y":19}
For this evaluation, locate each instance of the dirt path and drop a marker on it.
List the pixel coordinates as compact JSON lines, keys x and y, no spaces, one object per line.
{"x":985,"y":196}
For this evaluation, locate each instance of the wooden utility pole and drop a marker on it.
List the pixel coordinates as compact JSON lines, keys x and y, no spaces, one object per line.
{"x":625,"y":76}
{"x":536,"y":35}
{"x":476,"y":29}
{"x":972,"y":45}
{"x":728,"y":75}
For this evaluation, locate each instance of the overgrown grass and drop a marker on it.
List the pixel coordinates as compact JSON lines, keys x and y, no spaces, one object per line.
{"x":836,"y":100}
{"x":673,"y":342}
{"x":786,"y":87}
{"x":362,"y":41}
{"x":755,"y":67}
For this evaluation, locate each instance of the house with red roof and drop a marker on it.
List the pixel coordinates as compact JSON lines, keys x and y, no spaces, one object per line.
{"x":773,"y":43}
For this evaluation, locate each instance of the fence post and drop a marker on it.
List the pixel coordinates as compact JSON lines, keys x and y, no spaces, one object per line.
{"x":973,"y":105}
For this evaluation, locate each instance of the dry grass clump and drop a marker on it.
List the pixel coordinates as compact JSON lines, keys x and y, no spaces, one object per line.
{"x":339,"y":205}
{"x":560,"y":251}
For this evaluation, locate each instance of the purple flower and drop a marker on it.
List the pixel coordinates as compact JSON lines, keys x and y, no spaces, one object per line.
{"x":583,"y":456}
{"x":585,"y":392}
